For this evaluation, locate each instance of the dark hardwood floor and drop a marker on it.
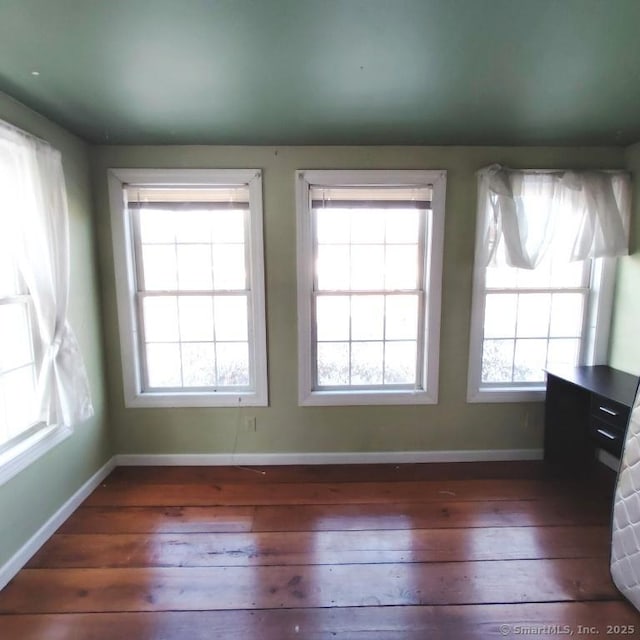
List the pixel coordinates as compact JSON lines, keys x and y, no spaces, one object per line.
{"x":470,"y":550}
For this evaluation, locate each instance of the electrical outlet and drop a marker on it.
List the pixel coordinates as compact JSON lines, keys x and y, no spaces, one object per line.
{"x":250,"y":423}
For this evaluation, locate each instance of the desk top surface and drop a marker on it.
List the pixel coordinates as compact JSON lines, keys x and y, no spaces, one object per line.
{"x":601,"y":379}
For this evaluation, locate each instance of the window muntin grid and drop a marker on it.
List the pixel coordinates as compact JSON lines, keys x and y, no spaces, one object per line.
{"x":193,"y":295}
{"x":533,"y":319}
{"x":368,"y":294}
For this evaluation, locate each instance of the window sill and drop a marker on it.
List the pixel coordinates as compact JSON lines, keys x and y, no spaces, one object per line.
{"x":29,"y":450}
{"x":514,"y":394}
{"x":168,"y":400}
{"x":364,"y":398}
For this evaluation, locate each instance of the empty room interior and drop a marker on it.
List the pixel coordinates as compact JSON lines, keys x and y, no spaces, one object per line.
{"x":319,"y":318}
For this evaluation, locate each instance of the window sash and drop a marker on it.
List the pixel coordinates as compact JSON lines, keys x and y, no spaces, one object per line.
{"x":144,"y":366}
{"x":356,"y":198}
{"x":35,"y":356}
{"x":584,"y":290}
{"x":174,"y":200}
{"x":419,"y":341}
{"x":548,"y":339}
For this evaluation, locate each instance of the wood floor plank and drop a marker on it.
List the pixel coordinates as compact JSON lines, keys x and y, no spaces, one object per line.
{"x":174,"y":519}
{"x":197,"y":589}
{"x":322,"y":547}
{"x":354,"y":517}
{"x":338,"y":473}
{"x":498,"y":513}
{"x":374,"y":551}
{"x":468,"y":622}
{"x":325,"y":493}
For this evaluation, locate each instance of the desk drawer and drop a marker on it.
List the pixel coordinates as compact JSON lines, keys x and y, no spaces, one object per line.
{"x":609,"y":411}
{"x":607,"y":437}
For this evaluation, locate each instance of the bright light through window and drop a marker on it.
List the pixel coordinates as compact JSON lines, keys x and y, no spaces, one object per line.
{"x":369,"y":259}
{"x":191,"y":289}
{"x":17,"y":356}
{"x":533,"y":320}
{"x":368,"y":295}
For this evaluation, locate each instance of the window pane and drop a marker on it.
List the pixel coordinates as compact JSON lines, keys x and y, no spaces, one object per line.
{"x":533,"y":315}
{"x":193,"y":226}
{"x":333,"y":363}
{"x":196,"y":318}
{"x":157,"y":226}
{"x":198,"y":364}
{"x":497,"y":360}
{"x":402,"y":317}
{"x":161,"y":318}
{"x":367,"y":267}
{"x":233,"y":364}
{"x":229,"y":267}
{"x":367,"y":226}
{"x":8,"y":276}
{"x":366,"y":363}
{"x":333,"y":226}
{"x":402,"y":226}
{"x":228,"y":226}
{"x":18,"y":389}
{"x":194,"y":267}
{"x":569,"y":275}
{"x":332,"y":315}
{"x":367,"y":317}
{"x":163,"y":365}
{"x":529,"y":361}
{"x":534,"y":278}
{"x":566,"y":315}
{"x":159,"y":266}
{"x":400,"y":363}
{"x":230,"y":313}
{"x":401,"y":267}
{"x":563,"y":352}
{"x":15,"y":336}
{"x":4,"y":427}
{"x":500,"y":315}
{"x":333,"y":268}
{"x":501,"y":277}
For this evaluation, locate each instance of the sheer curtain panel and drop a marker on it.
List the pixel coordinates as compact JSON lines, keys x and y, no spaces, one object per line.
{"x":574,"y":214}
{"x":34,"y":219}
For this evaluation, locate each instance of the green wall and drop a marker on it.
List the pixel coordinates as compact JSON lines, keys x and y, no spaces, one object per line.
{"x":283,"y":426}
{"x":29,"y":499}
{"x":625,"y":334}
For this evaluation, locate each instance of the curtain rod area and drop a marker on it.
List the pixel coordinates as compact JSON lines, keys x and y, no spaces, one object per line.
{"x":22,"y":132}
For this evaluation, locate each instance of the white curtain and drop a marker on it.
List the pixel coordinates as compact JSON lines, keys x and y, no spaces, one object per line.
{"x":34,"y":216}
{"x":576,"y":214}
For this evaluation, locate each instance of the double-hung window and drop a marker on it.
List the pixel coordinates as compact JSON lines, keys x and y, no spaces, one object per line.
{"x":44,"y":389}
{"x":190,"y":286}
{"x":369,"y":278}
{"x":19,"y":357}
{"x":544,"y":276}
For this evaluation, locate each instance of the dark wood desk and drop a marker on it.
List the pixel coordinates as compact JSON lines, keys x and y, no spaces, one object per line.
{"x":586,"y":408}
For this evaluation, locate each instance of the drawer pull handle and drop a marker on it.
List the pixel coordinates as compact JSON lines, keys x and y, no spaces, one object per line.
{"x":606,"y":434}
{"x":609,"y":411}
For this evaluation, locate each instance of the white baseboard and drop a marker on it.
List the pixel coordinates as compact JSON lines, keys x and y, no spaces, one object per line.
{"x":29,"y":548}
{"x":382,"y":457}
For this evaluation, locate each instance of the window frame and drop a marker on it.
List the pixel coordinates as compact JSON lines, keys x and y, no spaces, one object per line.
{"x":595,"y":338}
{"x":37,"y":439}
{"x":433,"y":239}
{"x":125,"y":271}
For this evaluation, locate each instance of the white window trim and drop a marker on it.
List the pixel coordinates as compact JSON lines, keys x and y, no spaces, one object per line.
{"x":125,"y":287}
{"x":428,"y":394}
{"x":27,"y":451}
{"x":595,"y":342}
